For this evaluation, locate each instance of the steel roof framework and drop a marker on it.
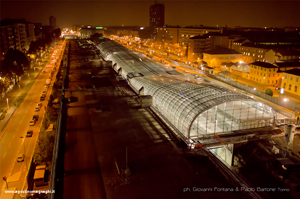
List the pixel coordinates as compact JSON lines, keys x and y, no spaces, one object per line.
{"x":194,"y":109}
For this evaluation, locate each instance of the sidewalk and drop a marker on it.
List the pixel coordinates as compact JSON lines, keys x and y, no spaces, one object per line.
{"x":18,"y":93}
{"x":263,"y":88}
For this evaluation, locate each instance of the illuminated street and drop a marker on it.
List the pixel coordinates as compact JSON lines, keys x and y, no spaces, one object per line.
{"x":141,"y":99}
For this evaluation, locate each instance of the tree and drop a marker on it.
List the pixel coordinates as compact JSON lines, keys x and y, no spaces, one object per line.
{"x":14,"y":64}
{"x":4,"y":84}
{"x":269,"y":92}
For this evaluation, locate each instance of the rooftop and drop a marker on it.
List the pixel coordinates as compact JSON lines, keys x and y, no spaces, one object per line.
{"x":240,"y":40}
{"x":287,"y":52}
{"x":287,"y":64}
{"x":295,"y":71}
{"x":264,"y":64}
{"x":199,"y":37}
{"x":222,"y":51}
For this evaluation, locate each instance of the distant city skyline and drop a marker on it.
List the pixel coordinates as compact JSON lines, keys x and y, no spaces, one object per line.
{"x":182,"y":13}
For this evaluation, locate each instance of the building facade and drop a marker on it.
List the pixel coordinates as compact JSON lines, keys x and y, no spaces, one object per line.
{"x":215,"y":58}
{"x":17,"y":34}
{"x":180,"y":36}
{"x":265,"y":73}
{"x":156,"y":17}
{"x":87,"y":32}
{"x":291,"y":81}
{"x":197,"y":46}
{"x":275,"y":55}
{"x":52,"y":22}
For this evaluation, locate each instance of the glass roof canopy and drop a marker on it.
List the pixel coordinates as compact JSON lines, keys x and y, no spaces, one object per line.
{"x":195,"y":110}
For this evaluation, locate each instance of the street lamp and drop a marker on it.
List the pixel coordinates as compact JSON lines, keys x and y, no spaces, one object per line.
{"x":24,"y":151}
{"x":7,"y":103}
{"x":285,"y":99}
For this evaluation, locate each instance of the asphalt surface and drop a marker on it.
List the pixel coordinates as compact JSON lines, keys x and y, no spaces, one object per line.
{"x":160,"y":167}
{"x":11,"y":144}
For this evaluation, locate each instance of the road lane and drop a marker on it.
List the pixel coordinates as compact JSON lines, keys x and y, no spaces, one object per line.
{"x":11,"y":144}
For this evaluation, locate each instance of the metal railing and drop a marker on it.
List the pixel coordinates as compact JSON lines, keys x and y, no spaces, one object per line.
{"x":292,"y":105}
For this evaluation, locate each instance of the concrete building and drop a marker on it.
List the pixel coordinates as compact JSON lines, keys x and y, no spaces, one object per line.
{"x":291,"y":81}
{"x":265,"y":73}
{"x":88,"y":31}
{"x":214,"y":58}
{"x":252,"y":53}
{"x":17,"y":34}
{"x":240,"y":69}
{"x":30,"y":32}
{"x":156,"y":17}
{"x":287,"y":65}
{"x":238,"y":43}
{"x":275,"y":55}
{"x":52,"y":22}
{"x":218,"y":40}
{"x":180,"y":36}
{"x":197,"y":46}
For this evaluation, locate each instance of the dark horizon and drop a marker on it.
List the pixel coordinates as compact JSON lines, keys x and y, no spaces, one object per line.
{"x":136,"y":13}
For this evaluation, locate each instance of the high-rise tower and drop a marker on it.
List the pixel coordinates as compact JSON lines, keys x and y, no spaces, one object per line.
{"x":52,"y":22}
{"x":157,"y":16}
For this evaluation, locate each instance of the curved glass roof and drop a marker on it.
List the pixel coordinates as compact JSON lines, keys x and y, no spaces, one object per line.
{"x":195,"y":110}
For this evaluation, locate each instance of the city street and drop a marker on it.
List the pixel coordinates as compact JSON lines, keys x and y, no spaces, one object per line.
{"x":11,"y":144}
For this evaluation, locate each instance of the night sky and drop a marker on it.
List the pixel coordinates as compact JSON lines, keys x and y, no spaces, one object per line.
{"x":114,"y":13}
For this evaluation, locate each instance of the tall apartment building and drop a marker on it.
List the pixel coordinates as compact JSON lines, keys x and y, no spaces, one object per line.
{"x":17,"y":34}
{"x":52,"y":22}
{"x":156,"y":17}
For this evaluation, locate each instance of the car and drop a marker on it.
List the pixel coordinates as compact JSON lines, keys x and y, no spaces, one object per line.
{"x":44,"y":71}
{"x":39,"y":104}
{"x":32,"y":123}
{"x":37,"y":109}
{"x":21,"y":157}
{"x":29,"y":133}
{"x":42,"y":98}
{"x":35,"y":117}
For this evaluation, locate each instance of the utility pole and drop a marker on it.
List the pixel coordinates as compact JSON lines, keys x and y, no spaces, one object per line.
{"x":5,"y":179}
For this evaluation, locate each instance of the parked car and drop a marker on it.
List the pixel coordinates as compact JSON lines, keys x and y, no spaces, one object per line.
{"x":37,"y":109}
{"x":21,"y":157}
{"x":40,"y":104}
{"x":35,"y":117}
{"x":29,"y":133}
{"x":32,"y":123}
